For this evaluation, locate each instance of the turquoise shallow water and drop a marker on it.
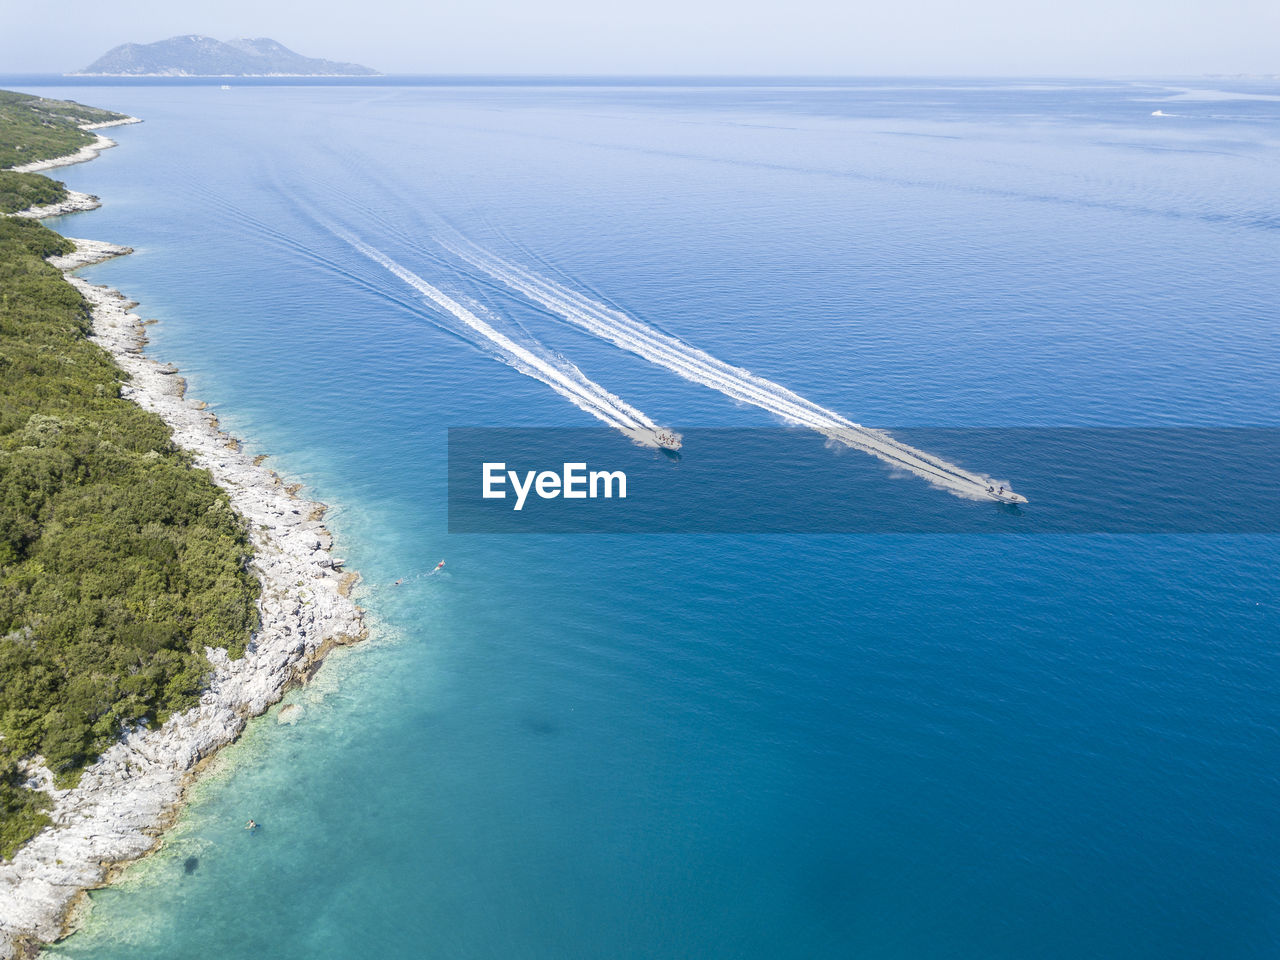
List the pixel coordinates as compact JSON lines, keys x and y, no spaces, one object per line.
{"x":725,"y":746}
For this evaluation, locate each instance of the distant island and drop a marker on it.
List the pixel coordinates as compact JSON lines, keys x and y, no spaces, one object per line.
{"x":196,"y":56}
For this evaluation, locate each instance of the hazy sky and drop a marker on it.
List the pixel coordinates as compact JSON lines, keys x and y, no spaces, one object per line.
{"x":974,"y":37}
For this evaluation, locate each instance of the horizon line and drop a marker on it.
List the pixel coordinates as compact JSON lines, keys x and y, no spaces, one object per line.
{"x":597,"y":77}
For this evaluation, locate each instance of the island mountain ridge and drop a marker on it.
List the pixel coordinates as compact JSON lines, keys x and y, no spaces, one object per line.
{"x":198,"y":56}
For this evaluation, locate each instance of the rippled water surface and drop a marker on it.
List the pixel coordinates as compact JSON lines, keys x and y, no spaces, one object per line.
{"x":678,"y":746}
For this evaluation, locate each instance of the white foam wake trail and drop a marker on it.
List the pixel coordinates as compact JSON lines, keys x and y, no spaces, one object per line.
{"x":556,"y":372}
{"x":701,"y":367}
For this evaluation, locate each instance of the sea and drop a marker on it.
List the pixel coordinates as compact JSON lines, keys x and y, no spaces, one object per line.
{"x":887,"y":744}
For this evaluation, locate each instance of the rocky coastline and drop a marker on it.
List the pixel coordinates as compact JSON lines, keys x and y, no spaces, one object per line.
{"x":123,"y":802}
{"x":87,"y":152}
{"x":76,"y":202}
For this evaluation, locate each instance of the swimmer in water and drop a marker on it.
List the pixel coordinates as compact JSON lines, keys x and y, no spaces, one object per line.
{"x":400,"y":581}
{"x":251,"y":825}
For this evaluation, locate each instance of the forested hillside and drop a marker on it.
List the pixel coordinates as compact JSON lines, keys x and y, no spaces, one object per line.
{"x":36,"y":128}
{"x":119,"y":561}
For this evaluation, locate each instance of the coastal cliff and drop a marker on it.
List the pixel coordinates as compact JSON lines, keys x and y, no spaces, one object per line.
{"x":118,"y":807}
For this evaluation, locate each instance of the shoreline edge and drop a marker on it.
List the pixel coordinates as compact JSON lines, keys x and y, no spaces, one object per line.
{"x":134,"y":791}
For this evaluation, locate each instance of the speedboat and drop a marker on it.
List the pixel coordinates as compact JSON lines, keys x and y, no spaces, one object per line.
{"x":668,"y":440}
{"x":1003,"y":494}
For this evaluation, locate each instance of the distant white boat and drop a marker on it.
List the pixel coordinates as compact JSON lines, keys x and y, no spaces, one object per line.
{"x":226,"y":86}
{"x":1159,"y":113}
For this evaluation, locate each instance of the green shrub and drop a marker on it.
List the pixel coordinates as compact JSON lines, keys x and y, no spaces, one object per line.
{"x":22,"y":813}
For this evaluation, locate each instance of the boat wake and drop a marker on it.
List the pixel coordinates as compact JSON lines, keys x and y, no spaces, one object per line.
{"x":741,"y":385}
{"x":530,"y":358}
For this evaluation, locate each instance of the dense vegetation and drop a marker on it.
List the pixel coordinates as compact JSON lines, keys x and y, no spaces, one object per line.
{"x":21,"y":190}
{"x":35,"y":128}
{"x":119,"y":561}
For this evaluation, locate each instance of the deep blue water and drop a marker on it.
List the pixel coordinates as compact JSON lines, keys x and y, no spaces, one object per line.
{"x":891,"y":746}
